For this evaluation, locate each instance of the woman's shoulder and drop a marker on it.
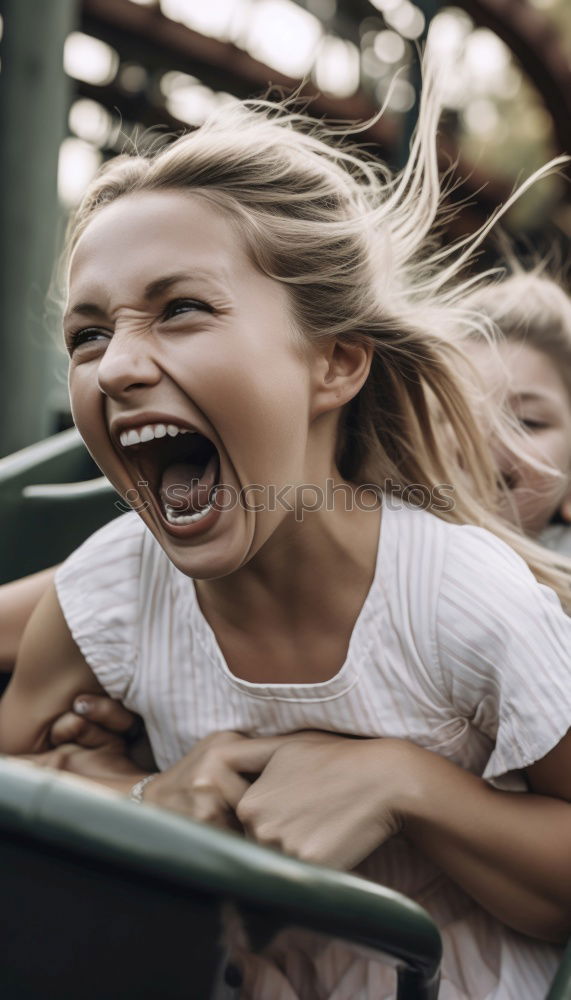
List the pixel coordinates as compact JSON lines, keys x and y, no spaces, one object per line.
{"x":462,"y":581}
{"x":422,"y":552}
{"x":113,"y":552}
{"x":495,"y":641}
{"x":100,"y":589}
{"x":115,"y":567}
{"x":421,"y":534}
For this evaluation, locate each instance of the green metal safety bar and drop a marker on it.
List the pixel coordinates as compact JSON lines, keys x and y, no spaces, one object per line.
{"x":103,"y":833}
{"x":50,"y":503}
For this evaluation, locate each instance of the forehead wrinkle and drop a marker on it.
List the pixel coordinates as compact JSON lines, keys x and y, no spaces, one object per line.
{"x":156,"y":288}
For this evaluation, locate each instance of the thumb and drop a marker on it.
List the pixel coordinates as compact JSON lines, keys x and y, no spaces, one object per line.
{"x":105,"y":712}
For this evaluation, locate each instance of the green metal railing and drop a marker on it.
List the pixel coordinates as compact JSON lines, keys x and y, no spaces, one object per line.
{"x":51,"y":499}
{"x":104,"y":833}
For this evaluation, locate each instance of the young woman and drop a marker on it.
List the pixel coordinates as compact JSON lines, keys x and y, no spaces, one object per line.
{"x":255,"y":339}
{"x":528,"y":370}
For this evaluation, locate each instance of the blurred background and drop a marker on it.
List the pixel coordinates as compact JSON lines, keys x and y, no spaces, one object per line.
{"x":81,"y":79}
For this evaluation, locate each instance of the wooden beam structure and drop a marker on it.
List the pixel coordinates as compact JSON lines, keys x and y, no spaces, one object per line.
{"x":536,"y":44}
{"x":145,"y":35}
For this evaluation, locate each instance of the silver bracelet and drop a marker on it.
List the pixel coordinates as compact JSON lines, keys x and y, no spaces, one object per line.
{"x":136,"y":792}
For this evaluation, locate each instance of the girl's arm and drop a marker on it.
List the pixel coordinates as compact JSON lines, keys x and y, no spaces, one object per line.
{"x":509,"y":850}
{"x":50,"y":672}
{"x":17,"y":601}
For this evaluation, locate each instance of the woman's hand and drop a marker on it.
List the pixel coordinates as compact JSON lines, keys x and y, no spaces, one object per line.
{"x":324,"y":798}
{"x":209,"y":782}
{"x":100,"y":739}
{"x":94,"y":722}
{"x":329,"y":799}
{"x":97,"y":721}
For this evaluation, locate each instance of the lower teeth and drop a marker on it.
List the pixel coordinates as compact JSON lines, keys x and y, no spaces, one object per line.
{"x":174,"y":518}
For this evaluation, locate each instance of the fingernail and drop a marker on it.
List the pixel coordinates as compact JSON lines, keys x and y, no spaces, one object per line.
{"x":81,"y":706}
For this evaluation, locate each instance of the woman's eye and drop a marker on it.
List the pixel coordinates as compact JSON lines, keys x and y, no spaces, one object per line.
{"x":78,"y":337}
{"x":533,"y":425}
{"x":179,"y":306}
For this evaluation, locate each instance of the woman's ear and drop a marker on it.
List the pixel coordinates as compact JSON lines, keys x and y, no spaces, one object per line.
{"x":340,"y":369}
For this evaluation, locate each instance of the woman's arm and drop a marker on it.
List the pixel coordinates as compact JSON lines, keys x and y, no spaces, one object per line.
{"x":50,"y":672}
{"x":510,"y":851}
{"x":17,"y":601}
{"x":334,"y":801}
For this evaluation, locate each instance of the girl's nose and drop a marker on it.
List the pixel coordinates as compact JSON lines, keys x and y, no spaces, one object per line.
{"x":127,"y":364}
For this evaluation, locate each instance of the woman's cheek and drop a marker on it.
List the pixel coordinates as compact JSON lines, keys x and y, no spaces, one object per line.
{"x":554,"y":449}
{"x":88,"y":412}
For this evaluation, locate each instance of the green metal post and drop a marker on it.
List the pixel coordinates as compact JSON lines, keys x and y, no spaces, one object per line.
{"x":34,"y":95}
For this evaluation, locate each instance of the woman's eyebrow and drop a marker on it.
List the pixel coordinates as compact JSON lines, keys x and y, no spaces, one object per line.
{"x":531,"y":396}
{"x":527,"y":395}
{"x":153,"y":290}
{"x":86,"y":309}
{"x":160,"y":285}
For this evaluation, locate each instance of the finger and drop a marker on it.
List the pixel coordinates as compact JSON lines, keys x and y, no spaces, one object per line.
{"x":212,"y":809}
{"x":66,"y":729}
{"x":71,"y":728}
{"x":251,"y":756}
{"x":228,"y":786}
{"x":105,"y":712}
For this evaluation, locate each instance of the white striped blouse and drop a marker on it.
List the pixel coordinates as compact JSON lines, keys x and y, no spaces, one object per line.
{"x":456,"y":648}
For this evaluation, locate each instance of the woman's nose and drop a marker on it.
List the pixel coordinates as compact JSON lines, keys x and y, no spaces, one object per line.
{"x":127,"y":364}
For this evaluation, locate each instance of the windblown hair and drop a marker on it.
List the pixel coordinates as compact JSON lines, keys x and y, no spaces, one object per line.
{"x":355,"y":247}
{"x":532,"y":309}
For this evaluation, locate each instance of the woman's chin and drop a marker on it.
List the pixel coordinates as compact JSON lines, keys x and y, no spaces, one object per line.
{"x":209,"y":554}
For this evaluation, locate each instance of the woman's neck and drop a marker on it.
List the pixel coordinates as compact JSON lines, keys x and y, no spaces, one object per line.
{"x":304,"y":576}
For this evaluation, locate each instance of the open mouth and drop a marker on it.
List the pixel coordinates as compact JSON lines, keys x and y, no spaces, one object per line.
{"x":181,"y":467}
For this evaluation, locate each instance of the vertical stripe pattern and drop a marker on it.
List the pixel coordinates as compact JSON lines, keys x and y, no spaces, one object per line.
{"x":456,"y":648}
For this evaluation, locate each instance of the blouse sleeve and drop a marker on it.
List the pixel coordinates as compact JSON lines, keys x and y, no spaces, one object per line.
{"x":98,"y":590}
{"x":504,"y":645}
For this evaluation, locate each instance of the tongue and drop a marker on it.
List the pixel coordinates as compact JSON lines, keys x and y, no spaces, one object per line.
{"x":185,"y":487}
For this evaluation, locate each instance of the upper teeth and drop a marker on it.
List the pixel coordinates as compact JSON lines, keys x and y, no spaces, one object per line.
{"x":138,"y":435}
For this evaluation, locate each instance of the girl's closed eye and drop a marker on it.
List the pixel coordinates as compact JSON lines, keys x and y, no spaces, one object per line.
{"x":75,"y":338}
{"x":179,"y":307}
{"x":533,"y":424}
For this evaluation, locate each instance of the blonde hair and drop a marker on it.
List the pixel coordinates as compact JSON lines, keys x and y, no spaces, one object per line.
{"x":530,"y":308}
{"x":352,"y":244}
